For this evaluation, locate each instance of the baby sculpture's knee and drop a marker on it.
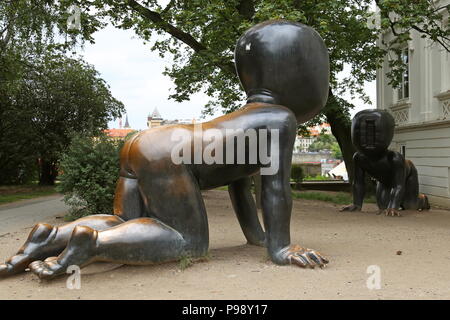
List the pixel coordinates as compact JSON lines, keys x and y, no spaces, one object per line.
{"x":40,"y":232}
{"x":83,"y":236}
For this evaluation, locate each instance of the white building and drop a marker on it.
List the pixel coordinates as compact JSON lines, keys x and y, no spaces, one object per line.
{"x":155,"y":119}
{"x":421,"y":108}
{"x":302,"y":143}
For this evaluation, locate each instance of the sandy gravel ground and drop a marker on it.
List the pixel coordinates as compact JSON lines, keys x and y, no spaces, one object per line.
{"x":352,"y":242}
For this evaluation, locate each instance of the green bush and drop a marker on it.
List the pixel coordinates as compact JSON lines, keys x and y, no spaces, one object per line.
{"x":297,"y":173}
{"x":90,"y":169}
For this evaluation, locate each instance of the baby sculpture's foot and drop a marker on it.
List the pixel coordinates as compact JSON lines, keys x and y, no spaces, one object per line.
{"x":79,"y":252}
{"x":14,"y":265}
{"x":36,"y":247}
{"x":390,"y":212}
{"x":350,"y":208}
{"x":302,"y":257}
{"x":47,"y":269}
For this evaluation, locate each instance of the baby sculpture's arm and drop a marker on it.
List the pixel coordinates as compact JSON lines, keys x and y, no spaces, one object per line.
{"x":398,"y":184}
{"x":358,"y":186}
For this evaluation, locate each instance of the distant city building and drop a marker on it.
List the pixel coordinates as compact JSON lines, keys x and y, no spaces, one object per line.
{"x":120,"y":133}
{"x":302,"y":144}
{"x":155,"y":119}
{"x":127,"y":124}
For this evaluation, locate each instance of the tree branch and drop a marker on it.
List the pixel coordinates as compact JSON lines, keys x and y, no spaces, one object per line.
{"x":168,"y":7}
{"x":177,"y":33}
{"x":442,"y":43}
{"x":417,"y":28}
{"x":156,"y":18}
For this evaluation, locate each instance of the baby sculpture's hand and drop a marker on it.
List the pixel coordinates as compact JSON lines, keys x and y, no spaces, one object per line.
{"x":351,"y":207}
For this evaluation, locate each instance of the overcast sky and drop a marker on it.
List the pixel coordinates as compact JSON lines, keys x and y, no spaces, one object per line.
{"x":134,"y":74}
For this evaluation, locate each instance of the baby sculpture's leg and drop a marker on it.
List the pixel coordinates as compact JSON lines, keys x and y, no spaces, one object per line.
{"x":178,"y":228}
{"x":276,"y":200}
{"x":138,"y":241}
{"x":245,"y":208}
{"x":383,"y":193}
{"x":413,"y":200}
{"x":45,"y":241}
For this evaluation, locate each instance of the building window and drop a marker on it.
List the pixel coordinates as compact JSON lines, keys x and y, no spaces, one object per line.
{"x":403,"y":91}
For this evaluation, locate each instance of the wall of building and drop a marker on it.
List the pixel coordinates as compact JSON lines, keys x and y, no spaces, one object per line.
{"x":423,"y":119}
{"x":428,"y":147}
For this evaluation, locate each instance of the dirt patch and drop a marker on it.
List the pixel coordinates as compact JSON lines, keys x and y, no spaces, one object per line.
{"x":352,"y":241}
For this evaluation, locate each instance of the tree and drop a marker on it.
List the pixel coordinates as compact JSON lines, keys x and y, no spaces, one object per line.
{"x":326,"y":142}
{"x":30,"y":31}
{"x":55,"y":97}
{"x":337,"y":153}
{"x":200,"y":35}
{"x":323,"y":142}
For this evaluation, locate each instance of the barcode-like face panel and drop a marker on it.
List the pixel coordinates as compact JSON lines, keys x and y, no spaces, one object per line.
{"x":370,"y":133}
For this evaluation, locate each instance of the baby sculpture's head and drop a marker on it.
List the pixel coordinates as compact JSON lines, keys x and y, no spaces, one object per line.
{"x":372,"y":131}
{"x":285,"y":63}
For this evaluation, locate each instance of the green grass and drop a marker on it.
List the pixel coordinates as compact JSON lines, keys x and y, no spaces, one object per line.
{"x":10,"y":194}
{"x":317,"y":178}
{"x":224,"y":188}
{"x":335,"y":197}
{"x":185,"y":262}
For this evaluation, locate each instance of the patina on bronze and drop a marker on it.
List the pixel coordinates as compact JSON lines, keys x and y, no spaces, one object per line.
{"x":397,"y":178}
{"x":159,"y":214}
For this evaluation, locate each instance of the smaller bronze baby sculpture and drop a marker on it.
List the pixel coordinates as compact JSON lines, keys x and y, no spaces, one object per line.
{"x":397,"y":178}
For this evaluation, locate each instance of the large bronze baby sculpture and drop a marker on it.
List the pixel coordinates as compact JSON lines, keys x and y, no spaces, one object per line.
{"x":159,"y":214}
{"x":397,"y":179}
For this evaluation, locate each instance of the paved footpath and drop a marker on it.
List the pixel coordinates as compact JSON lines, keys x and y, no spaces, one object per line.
{"x":18,"y":215}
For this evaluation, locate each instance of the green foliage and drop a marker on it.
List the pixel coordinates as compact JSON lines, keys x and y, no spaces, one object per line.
{"x":322,"y":142}
{"x":297,"y":173}
{"x":326,"y":142}
{"x":51,"y":97}
{"x":90,"y":169}
{"x":44,"y":95}
{"x":336,"y":151}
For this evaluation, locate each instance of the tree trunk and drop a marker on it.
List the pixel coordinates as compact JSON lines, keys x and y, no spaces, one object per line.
{"x":47,"y":172}
{"x":341,"y":129}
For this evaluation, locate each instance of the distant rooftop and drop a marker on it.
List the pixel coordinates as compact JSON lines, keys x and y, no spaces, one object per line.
{"x":118,"y":133}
